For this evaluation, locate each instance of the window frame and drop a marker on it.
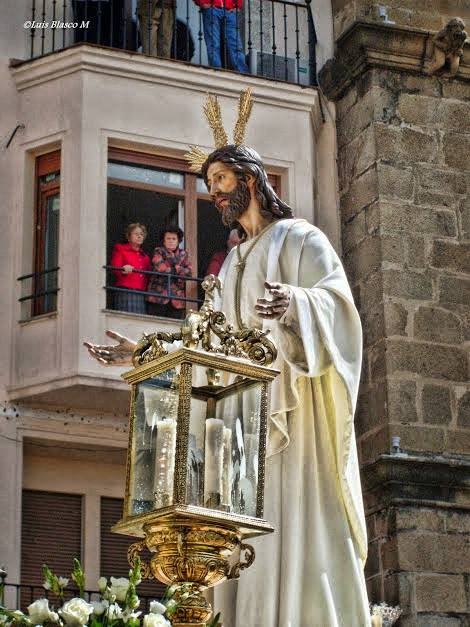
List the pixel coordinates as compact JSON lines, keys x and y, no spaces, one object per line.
{"x":189,"y":194}
{"x":48,"y":163}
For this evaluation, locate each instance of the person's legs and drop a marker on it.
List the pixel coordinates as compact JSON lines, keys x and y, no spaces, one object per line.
{"x":161,"y":311}
{"x":129,"y":301}
{"x":166,"y":26}
{"x":148,"y":12}
{"x":211,"y":21}
{"x":179,"y":314}
{"x":233,"y":43}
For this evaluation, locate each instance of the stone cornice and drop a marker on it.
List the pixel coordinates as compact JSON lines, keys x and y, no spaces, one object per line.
{"x":367,"y":44}
{"x":137,"y":67}
{"x":437,"y":481}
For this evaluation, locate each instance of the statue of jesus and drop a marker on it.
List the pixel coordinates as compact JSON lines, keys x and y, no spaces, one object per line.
{"x":286,"y":276}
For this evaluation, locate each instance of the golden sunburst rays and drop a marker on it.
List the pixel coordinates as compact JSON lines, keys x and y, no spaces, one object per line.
{"x":245,"y":105}
{"x":196,"y":155}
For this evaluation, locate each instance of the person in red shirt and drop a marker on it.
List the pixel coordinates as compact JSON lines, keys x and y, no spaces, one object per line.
{"x":222,"y":16}
{"x":218,"y":258}
{"x":130,"y":258}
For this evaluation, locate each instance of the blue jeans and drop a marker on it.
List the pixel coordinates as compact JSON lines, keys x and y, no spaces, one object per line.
{"x":213,"y":19}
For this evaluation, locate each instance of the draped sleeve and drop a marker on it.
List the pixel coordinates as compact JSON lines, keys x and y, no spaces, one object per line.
{"x":318,"y":336}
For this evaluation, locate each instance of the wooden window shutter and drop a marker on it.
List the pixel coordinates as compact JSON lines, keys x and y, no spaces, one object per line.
{"x":114,"y":551}
{"x":51,"y":533}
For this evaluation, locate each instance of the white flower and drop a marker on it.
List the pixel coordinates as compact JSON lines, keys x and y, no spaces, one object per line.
{"x":119,"y":587}
{"x":128,"y":615}
{"x":157,"y":608}
{"x":99,"y":607}
{"x":39,"y":612}
{"x":171,"y":604}
{"x":102,"y":583}
{"x":76,"y":612}
{"x":46,"y":585}
{"x":63,"y":581}
{"x":156,"y":620}
{"x":114,"y":612}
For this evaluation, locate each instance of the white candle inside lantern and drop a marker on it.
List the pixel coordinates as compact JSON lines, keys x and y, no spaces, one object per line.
{"x":376,"y":620}
{"x":165,"y":462}
{"x":213,"y":460}
{"x":227,"y":469}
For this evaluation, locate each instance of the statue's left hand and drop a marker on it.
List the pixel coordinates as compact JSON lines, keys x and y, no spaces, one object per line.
{"x":276,"y":307}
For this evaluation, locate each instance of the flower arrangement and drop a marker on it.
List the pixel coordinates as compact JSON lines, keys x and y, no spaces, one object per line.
{"x":117,"y":605}
{"x":384,"y":615}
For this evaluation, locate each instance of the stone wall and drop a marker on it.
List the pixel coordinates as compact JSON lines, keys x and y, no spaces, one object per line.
{"x":404,"y":178}
{"x":425,"y":14}
{"x":404,"y":170}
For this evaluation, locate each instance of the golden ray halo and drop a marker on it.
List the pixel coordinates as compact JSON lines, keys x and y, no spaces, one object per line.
{"x":196,"y":155}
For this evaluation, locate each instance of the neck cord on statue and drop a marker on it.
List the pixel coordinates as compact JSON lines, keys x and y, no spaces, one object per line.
{"x":240,"y":267}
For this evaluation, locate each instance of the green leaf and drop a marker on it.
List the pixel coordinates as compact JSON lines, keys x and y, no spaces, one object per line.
{"x":215,"y":621}
{"x":78,"y":576}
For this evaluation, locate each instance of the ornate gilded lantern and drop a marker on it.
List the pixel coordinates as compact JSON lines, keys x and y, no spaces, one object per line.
{"x":196,"y":458}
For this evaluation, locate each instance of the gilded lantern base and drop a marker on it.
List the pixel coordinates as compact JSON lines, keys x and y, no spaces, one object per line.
{"x":195,"y":555}
{"x":194,"y":611}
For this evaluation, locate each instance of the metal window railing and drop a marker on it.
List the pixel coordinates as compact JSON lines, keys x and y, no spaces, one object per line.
{"x":274,"y":39}
{"x":169,"y":278}
{"x":43,"y":290}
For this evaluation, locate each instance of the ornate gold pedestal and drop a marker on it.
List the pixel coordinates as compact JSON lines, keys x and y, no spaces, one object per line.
{"x":197,"y":553}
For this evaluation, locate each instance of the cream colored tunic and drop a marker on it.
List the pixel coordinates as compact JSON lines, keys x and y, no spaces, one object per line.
{"x":309,"y":573}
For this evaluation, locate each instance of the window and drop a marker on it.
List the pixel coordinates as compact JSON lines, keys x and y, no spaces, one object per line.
{"x":158,"y":192}
{"x":44,"y":284}
{"x":51,"y":533}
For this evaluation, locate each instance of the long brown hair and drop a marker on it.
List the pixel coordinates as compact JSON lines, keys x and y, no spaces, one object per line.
{"x":243,"y":161}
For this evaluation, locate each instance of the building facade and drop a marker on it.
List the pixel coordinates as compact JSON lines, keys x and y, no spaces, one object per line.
{"x":93,"y":137}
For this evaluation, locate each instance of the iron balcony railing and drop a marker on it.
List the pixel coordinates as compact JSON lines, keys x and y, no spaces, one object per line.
{"x":42,"y":291}
{"x":275,"y":38}
{"x":168,"y":279}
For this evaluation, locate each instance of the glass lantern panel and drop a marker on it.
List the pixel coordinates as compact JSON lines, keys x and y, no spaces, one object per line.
{"x":153,"y":443}
{"x":224,"y":439}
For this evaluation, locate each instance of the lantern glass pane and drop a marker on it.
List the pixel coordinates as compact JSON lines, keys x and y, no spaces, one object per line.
{"x":153,"y":443}
{"x":224,"y":443}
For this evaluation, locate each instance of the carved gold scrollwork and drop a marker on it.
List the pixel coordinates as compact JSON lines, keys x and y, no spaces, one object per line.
{"x":196,"y":329}
{"x":249,"y":556}
{"x":132,"y":555}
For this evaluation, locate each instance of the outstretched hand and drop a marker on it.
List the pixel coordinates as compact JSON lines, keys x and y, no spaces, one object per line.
{"x":114,"y":354}
{"x":274,"y":308}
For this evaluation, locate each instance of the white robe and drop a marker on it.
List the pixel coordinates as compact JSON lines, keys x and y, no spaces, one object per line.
{"x":309,"y":573}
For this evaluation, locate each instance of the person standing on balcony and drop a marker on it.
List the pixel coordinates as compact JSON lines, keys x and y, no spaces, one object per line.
{"x":218,"y":258}
{"x":222,"y":16}
{"x":156,"y":24}
{"x":130,"y":258}
{"x":169,"y":259}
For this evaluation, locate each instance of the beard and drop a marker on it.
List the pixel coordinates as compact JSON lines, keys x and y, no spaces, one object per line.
{"x":238,"y":202}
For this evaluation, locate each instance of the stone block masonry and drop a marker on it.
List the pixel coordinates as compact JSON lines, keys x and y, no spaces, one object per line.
{"x":404,"y":186}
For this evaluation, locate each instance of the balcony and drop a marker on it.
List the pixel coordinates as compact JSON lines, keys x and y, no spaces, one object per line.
{"x":102,"y":110}
{"x":269,"y":38}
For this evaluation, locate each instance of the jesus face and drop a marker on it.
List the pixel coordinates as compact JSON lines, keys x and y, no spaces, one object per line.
{"x":230,"y":193}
